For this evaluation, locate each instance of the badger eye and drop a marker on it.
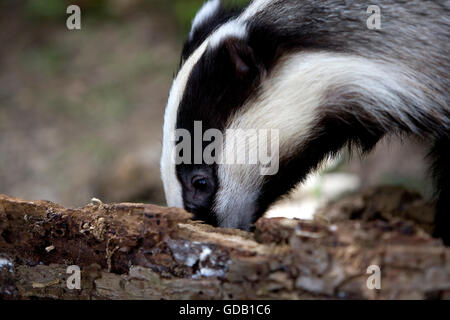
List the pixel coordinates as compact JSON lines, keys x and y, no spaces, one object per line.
{"x":199,"y":182}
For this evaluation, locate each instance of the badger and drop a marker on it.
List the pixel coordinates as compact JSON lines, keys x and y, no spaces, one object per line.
{"x":323,"y":78}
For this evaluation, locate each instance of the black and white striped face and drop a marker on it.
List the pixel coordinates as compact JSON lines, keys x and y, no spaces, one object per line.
{"x":218,"y":76}
{"x":317,"y":91}
{"x":223,"y":84}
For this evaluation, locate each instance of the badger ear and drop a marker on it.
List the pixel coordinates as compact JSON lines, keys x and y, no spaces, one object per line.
{"x":209,"y":9}
{"x":242,"y":58}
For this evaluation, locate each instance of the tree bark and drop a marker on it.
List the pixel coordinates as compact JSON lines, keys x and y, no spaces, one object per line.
{"x":137,"y":251}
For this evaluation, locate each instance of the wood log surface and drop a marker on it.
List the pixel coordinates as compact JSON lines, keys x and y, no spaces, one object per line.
{"x":141,"y":251}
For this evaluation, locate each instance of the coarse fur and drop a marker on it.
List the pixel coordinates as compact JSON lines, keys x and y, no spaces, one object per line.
{"x":314,"y":71}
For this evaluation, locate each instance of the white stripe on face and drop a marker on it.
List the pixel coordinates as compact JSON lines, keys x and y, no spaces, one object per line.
{"x":172,"y":186}
{"x":290,"y":101}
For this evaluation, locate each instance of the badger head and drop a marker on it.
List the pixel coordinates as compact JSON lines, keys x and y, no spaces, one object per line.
{"x":215,"y":90}
{"x":231,"y":79}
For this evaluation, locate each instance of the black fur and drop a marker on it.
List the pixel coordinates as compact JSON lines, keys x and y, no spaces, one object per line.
{"x":201,"y":32}
{"x":441,"y":170}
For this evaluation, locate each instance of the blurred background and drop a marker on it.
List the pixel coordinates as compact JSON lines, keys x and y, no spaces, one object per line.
{"x":81,"y":111}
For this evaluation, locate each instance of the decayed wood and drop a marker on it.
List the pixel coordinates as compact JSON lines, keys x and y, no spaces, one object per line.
{"x":137,"y":251}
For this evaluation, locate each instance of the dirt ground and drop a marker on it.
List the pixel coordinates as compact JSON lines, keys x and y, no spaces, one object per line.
{"x":81,"y":115}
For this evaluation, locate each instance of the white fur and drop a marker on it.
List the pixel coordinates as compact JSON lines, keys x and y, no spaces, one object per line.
{"x":233,"y":28}
{"x":237,"y":28}
{"x":290,"y":100}
{"x":207,"y":11}
{"x":172,"y":186}
{"x":254,"y":7}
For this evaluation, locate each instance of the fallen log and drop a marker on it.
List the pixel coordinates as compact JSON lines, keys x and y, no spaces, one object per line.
{"x":138,"y":251}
